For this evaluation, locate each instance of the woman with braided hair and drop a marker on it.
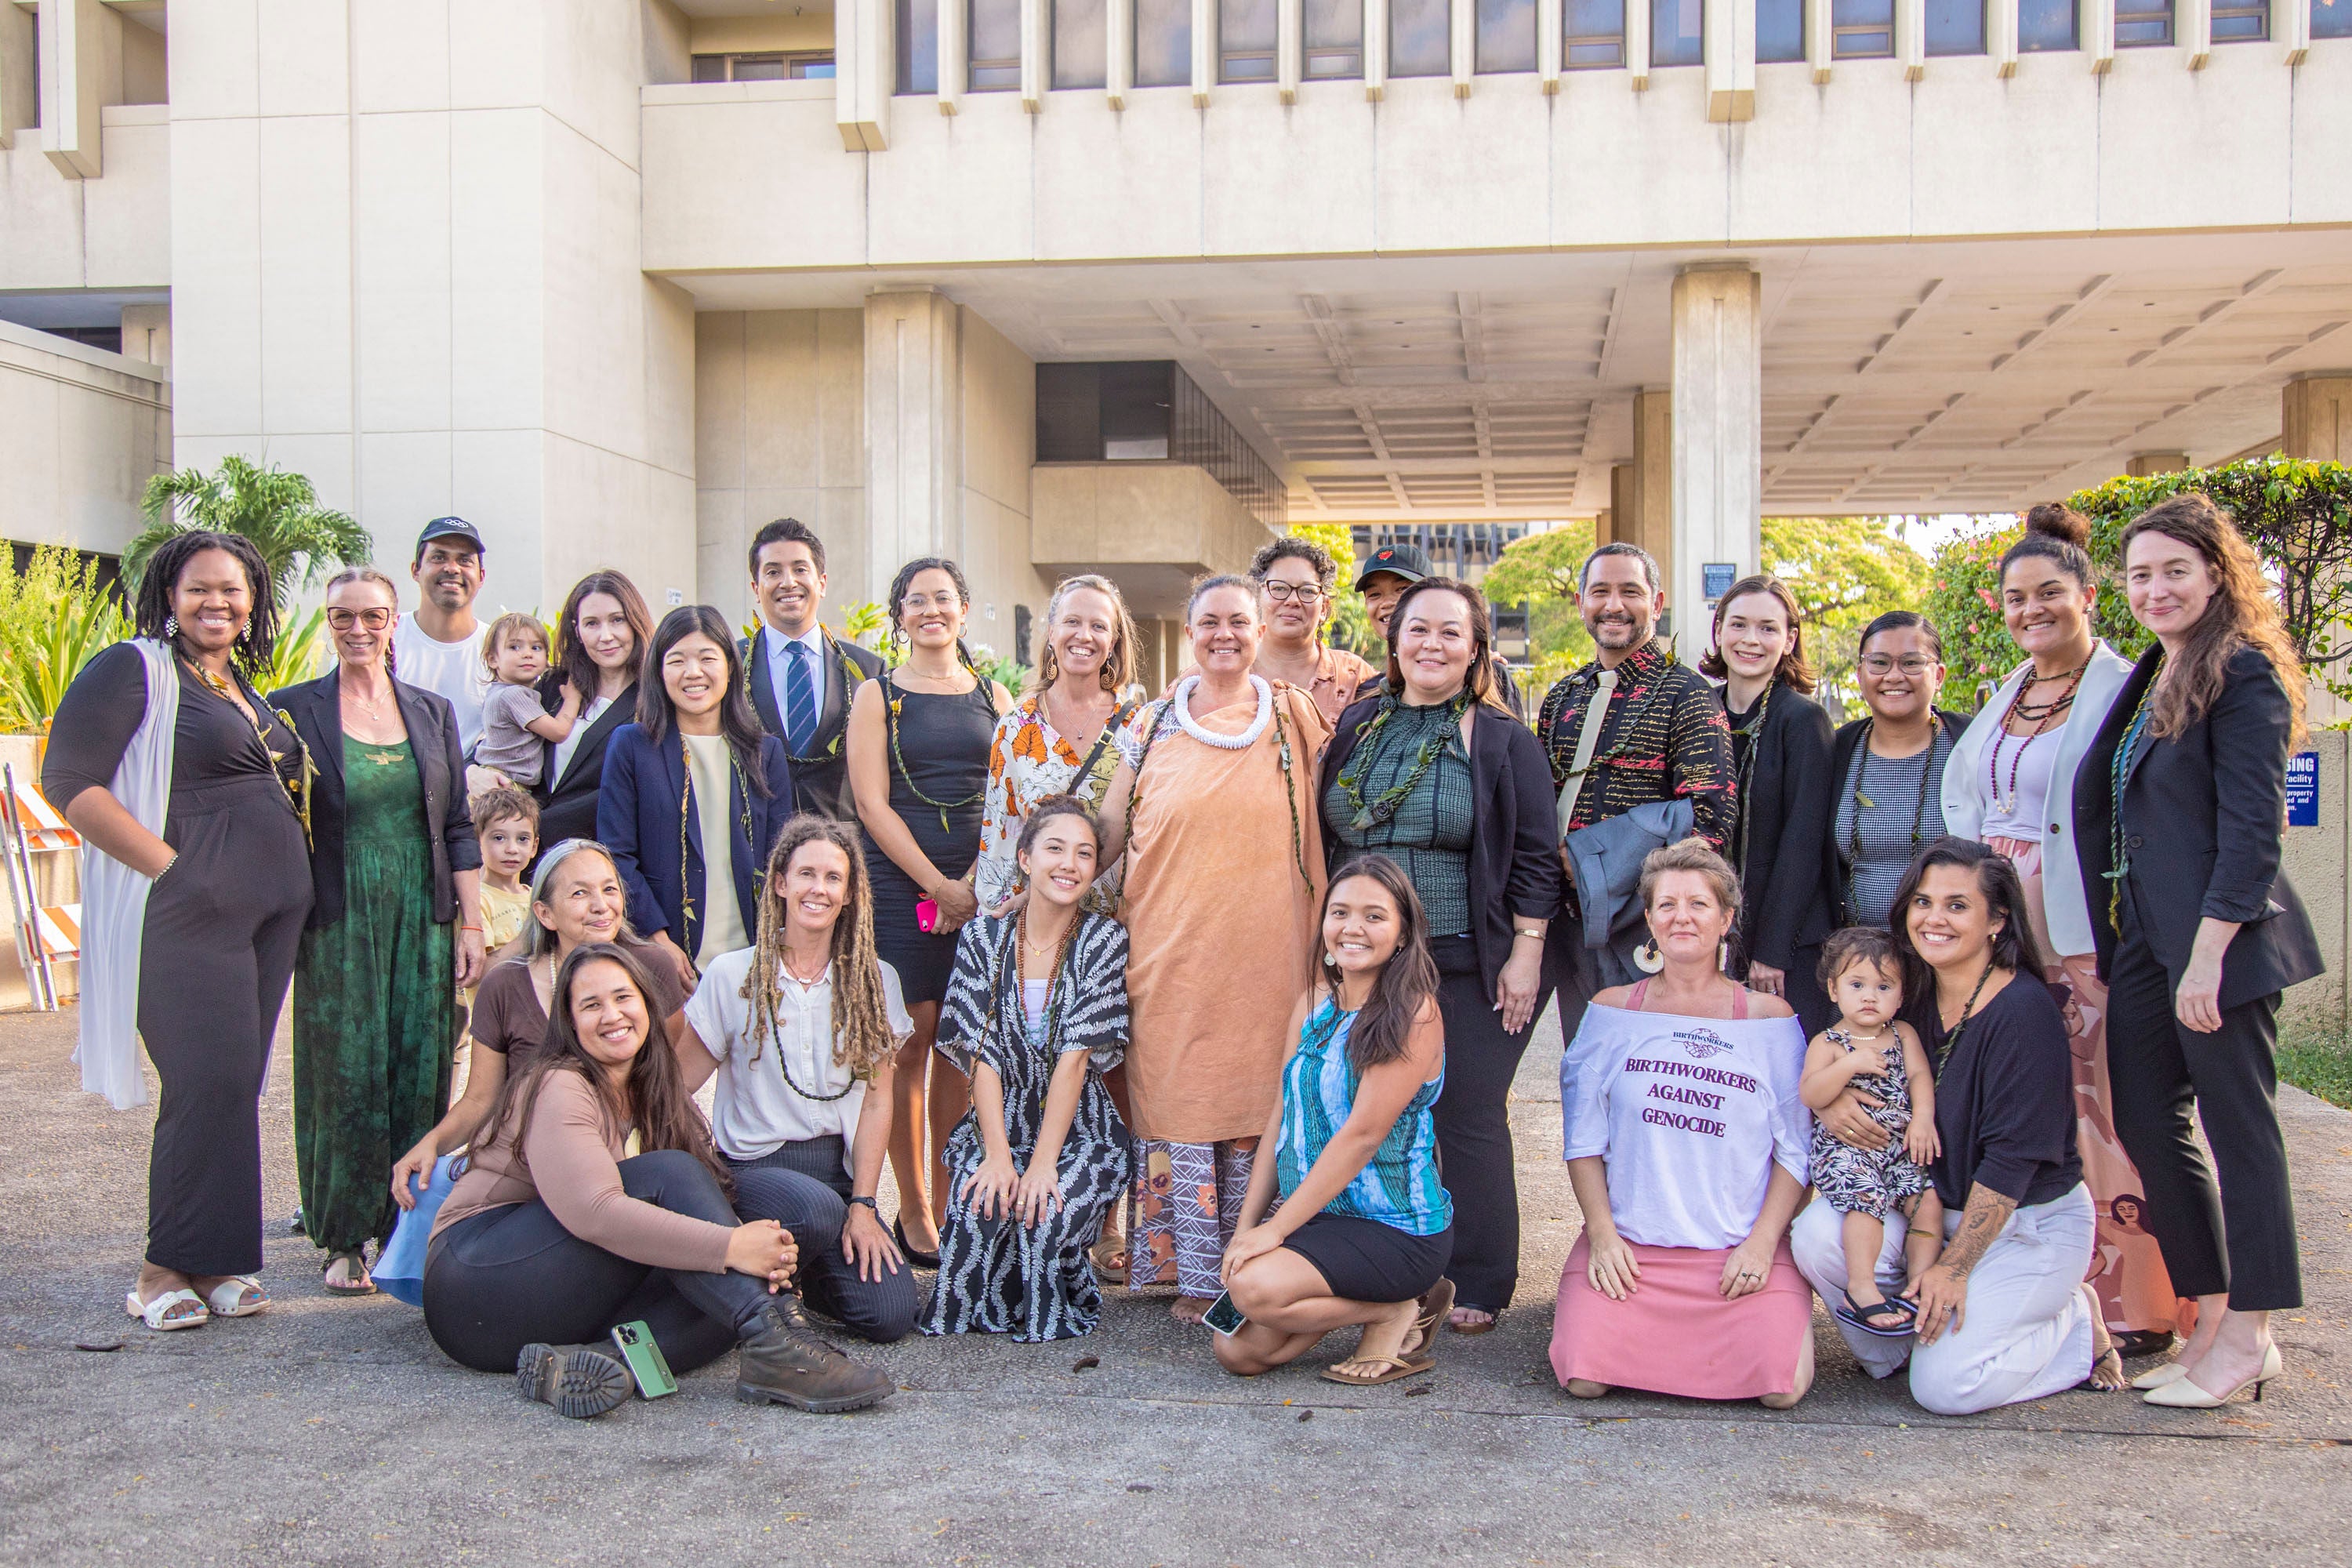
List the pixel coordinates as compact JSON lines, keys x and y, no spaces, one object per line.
{"x":1035,"y":1015}
{"x":918,"y":772}
{"x":803,"y":1028}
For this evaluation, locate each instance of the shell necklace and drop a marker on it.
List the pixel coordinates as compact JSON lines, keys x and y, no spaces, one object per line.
{"x":1240,"y":743}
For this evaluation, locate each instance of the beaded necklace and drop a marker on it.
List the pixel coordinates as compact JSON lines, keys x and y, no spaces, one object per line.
{"x":297,"y":790}
{"x":890,"y":723}
{"x":1861,"y":800}
{"x":1744,"y":780}
{"x":1055,"y":989}
{"x":2118,"y":776}
{"x":1967,"y":1011}
{"x":2039,"y":715}
{"x":687,"y":916}
{"x":1352,"y":779}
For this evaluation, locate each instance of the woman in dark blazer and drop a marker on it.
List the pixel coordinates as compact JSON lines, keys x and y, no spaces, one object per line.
{"x":1435,"y":774}
{"x":394,"y":926}
{"x":600,"y":644}
{"x":693,"y":795}
{"x":1781,"y":751}
{"x":2181,"y":812}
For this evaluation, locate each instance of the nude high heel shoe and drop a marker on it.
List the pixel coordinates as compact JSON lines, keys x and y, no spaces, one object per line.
{"x":2178,"y":1392}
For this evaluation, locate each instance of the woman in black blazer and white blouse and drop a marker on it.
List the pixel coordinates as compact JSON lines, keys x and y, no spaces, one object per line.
{"x":394,"y":926}
{"x":600,"y":640}
{"x":1435,"y":772}
{"x":1781,"y":754}
{"x":2181,"y":812}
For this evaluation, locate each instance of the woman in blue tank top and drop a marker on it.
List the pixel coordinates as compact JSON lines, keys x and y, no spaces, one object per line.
{"x":1348,"y":1223}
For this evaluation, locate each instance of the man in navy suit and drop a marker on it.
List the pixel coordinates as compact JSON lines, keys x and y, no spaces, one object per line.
{"x":800,"y":676}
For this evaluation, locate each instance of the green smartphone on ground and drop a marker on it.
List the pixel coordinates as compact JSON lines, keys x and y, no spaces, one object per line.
{"x":646,"y":1363}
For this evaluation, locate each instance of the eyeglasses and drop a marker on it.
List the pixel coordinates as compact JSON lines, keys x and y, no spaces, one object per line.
{"x":375,"y":620}
{"x":1911,"y":663}
{"x":1305,"y":593}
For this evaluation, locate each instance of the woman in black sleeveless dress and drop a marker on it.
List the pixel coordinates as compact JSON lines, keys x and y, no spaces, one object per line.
{"x":918,"y":771}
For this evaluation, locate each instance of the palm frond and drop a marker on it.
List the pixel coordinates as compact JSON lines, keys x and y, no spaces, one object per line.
{"x":278,"y":511}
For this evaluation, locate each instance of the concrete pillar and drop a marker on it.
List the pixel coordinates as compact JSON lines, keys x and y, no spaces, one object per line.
{"x":73,"y":59}
{"x":2142,"y":464}
{"x":1646,"y":517}
{"x":147,"y":334}
{"x":1604,"y":522}
{"x":2316,"y":417}
{"x":20,"y":75}
{"x":864,"y":73}
{"x":1728,"y":34}
{"x":914,"y":430}
{"x":1718,"y":431}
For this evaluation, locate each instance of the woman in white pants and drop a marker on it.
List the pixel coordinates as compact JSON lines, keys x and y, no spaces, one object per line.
{"x":2003,"y":1314}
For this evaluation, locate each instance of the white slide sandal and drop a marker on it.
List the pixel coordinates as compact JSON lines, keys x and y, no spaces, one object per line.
{"x":238,"y":1296}
{"x":152,"y":1314}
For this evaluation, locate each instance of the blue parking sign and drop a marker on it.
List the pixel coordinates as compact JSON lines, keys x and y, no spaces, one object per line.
{"x":2303,"y":790}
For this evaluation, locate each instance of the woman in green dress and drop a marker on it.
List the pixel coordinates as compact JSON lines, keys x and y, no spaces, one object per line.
{"x":394,"y":926}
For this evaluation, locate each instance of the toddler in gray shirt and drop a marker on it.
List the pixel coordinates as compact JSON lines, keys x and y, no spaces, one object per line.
{"x":516,"y":730}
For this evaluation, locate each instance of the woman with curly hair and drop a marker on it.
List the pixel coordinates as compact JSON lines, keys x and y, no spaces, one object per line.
{"x":802,"y":1029}
{"x":1298,"y":579}
{"x":2179,"y":815}
{"x":192,"y":793}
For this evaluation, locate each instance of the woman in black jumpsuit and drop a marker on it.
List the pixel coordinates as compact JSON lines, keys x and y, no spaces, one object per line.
{"x":230,"y":891}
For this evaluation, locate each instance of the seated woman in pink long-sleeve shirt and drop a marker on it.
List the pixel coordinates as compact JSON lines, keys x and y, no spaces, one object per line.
{"x":596,"y":1199}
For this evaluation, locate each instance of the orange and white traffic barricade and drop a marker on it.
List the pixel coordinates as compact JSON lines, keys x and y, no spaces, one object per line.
{"x":46,"y":935}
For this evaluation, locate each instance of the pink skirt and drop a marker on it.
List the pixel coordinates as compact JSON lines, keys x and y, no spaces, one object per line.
{"x":1675,"y":1333}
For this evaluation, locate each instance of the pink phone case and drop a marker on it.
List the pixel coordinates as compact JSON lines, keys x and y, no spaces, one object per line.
{"x":927,"y":915}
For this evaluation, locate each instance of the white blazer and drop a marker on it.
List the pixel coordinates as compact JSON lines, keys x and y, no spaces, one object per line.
{"x":2063,"y":904}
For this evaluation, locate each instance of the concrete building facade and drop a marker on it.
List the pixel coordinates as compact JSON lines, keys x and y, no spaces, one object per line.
{"x":621,"y":279}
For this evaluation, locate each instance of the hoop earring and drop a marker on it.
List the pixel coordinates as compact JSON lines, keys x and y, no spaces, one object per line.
{"x":1647,"y":958}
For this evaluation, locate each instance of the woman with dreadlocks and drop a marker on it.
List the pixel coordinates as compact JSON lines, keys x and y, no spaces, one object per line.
{"x":803,"y":1029}
{"x":1035,"y":1014}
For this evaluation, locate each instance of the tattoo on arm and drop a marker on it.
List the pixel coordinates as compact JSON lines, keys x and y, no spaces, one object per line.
{"x":1988,"y":1211}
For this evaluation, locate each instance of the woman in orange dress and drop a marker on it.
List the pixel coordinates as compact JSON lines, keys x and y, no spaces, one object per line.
{"x":1213,"y":806}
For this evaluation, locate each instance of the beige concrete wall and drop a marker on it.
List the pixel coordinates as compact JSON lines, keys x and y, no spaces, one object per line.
{"x":779,"y":427}
{"x":405,"y":262}
{"x":81,"y":431}
{"x":1000,"y":447}
{"x":2052,"y":149}
{"x":114,"y":232}
{"x":1149,"y":526}
{"x":805,"y":26}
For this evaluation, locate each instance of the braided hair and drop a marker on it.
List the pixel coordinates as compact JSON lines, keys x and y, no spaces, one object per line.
{"x":862,"y":1038}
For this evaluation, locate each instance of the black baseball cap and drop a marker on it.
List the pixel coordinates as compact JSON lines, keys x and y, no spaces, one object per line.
{"x":1409,"y":561}
{"x":451,"y":527}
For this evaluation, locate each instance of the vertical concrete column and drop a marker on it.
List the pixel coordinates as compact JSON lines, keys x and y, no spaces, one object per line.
{"x":1035,"y":54}
{"x":1727,"y":40}
{"x":2193,"y":22}
{"x":2316,"y":417}
{"x":1204,"y":51}
{"x":1637,"y":45}
{"x":1911,"y":37}
{"x":1376,"y":48}
{"x":866,"y":71}
{"x":73,"y":53}
{"x":1719,"y":433}
{"x":2098,"y":19}
{"x":2000,"y":34}
{"x":914,"y":429}
{"x":2291,"y":26}
{"x":2142,"y":464}
{"x":20,"y":75}
{"x":1646,"y":517}
{"x":147,"y":333}
{"x":1118,"y":44}
{"x":1289,"y":47}
{"x":1604,"y":524}
{"x":1550,"y":43}
{"x":1820,"y":40}
{"x":1462,"y":19}
{"x":955,"y":54}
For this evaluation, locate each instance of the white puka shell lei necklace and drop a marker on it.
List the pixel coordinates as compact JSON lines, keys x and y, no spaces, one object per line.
{"x":1240,"y":743}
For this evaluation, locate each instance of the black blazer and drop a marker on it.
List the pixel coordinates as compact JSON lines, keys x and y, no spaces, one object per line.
{"x":1792,"y":795}
{"x":1849,"y":736}
{"x":317,"y":709}
{"x":1515,"y":865}
{"x":2205,"y":813}
{"x":567,"y":806}
{"x":821,"y":779}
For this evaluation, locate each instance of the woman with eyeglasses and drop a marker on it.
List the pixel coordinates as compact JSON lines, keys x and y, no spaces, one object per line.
{"x":396,"y":926}
{"x":1298,"y":579}
{"x":1889,"y":766}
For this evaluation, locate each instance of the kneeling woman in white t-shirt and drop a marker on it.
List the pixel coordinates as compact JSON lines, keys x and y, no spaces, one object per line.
{"x":1686,"y":1144}
{"x":802,"y":1028}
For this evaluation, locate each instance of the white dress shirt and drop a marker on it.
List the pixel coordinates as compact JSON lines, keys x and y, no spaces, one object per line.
{"x":780,"y":662}
{"x":755,"y":1112}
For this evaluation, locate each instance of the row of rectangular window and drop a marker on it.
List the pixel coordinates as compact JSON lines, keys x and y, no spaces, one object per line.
{"x":1420,"y":31}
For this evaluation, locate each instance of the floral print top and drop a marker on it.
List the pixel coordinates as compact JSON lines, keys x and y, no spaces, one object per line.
{"x":1029,"y":760}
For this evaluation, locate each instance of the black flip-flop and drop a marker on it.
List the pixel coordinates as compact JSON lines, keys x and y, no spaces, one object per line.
{"x":2091,"y":1384}
{"x":919,"y":1259}
{"x":1856,"y":1315}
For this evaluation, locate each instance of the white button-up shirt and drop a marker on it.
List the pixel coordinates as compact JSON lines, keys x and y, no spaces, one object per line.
{"x":779,"y":663}
{"x":755,"y":1112}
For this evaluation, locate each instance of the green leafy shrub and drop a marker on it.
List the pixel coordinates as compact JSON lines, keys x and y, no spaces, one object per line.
{"x":54,"y":617}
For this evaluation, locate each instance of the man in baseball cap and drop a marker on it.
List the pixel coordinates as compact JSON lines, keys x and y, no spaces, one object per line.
{"x":437,"y":646}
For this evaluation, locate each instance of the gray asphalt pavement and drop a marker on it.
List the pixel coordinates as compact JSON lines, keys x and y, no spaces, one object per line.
{"x":328,"y":1430}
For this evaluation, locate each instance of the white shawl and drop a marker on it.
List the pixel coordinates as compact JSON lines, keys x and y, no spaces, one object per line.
{"x":114,"y":898}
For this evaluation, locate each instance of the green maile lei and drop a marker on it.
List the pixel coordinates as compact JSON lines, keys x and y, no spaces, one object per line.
{"x":686,"y":814}
{"x":850,"y":678}
{"x":890,"y":724}
{"x":1351,"y":779}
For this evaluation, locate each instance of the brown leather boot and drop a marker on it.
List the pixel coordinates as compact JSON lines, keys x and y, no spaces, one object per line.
{"x":787,"y":1363}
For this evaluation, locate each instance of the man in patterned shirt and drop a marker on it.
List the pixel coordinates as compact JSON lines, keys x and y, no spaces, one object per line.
{"x":1662,"y":734}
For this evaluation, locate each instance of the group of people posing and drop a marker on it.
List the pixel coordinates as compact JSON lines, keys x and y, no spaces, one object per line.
{"x":1223,"y":991}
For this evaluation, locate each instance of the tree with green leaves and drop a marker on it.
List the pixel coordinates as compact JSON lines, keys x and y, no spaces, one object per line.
{"x":1350,"y":626}
{"x":1844,"y":573}
{"x":278,"y":511}
{"x":1538,"y":571}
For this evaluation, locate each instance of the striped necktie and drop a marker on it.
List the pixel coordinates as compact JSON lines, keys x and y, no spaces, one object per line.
{"x":800,"y":699}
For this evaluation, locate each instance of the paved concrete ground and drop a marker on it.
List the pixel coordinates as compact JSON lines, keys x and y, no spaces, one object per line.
{"x":332,"y":1430}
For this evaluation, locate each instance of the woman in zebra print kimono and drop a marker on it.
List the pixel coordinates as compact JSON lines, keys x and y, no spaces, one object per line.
{"x":1036,"y":1012}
